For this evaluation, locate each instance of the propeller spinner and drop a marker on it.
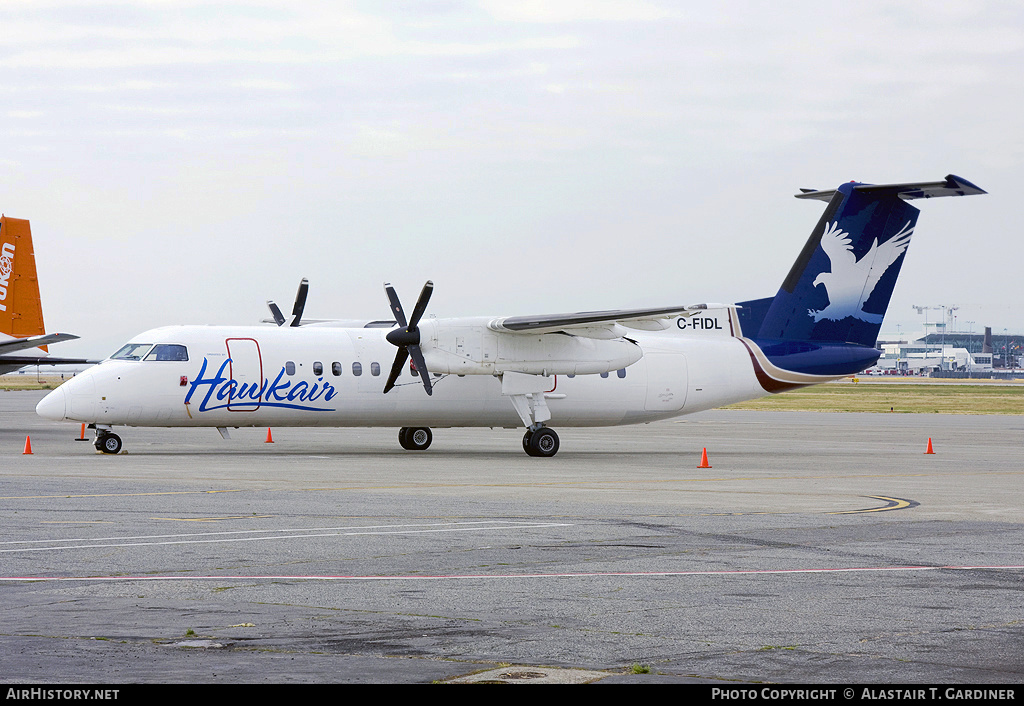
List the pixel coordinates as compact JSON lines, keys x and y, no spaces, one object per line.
{"x":407,"y":336}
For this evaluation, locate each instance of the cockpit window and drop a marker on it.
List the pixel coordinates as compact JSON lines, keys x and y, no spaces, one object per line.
{"x":132,"y":351}
{"x":168,"y":351}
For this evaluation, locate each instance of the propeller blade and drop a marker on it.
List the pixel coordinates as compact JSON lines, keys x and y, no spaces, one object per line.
{"x":421,"y":367}
{"x":406,"y":337}
{"x":300,"y":301}
{"x":421,"y":304}
{"x":396,"y":368}
{"x":396,"y":306}
{"x":275,"y":310}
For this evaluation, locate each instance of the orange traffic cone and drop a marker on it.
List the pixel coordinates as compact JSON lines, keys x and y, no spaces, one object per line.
{"x":704,"y":459}
{"x":81,"y":436}
{"x":270,"y":439}
{"x":929,"y":451}
{"x":28,"y":446}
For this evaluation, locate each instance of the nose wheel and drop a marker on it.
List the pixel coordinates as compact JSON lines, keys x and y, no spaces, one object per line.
{"x":542,"y":442}
{"x":108,"y":443}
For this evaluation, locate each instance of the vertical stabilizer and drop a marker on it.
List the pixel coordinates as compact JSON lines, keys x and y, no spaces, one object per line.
{"x":841,"y":283}
{"x":21,"y":311}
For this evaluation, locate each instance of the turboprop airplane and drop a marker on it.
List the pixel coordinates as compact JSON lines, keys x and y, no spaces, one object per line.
{"x":21,"y":310}
{"x":584,"y":369}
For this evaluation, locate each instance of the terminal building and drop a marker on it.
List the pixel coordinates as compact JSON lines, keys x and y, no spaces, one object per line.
{"x":952,"y":354}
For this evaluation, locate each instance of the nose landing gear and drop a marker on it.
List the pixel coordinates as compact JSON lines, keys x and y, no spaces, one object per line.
{"x":108,"y":442}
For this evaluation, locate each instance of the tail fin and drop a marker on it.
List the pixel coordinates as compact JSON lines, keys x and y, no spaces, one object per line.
{"x":21,"y":311}
{"x":840,"y":285}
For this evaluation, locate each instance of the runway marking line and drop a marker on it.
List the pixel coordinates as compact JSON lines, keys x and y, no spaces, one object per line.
{"x":477,"y":577}
{"x":269,"y":535}
{"x":593,"y":482}
{"x":891,"y":504}
{"x":118,"y":495}
{"x":212,"y":519}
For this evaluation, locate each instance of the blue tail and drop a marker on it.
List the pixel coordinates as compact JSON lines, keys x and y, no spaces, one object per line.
{"x":835,"y":296}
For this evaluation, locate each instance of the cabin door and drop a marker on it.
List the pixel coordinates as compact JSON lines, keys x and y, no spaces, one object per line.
{"x":246,"y":371}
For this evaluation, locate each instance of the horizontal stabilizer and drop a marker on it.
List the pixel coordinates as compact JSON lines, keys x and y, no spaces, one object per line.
{"x":952,"y":186}
{"x":20,"y":344}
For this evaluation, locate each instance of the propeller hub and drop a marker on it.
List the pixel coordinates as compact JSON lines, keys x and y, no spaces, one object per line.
{"x":404,"y":337}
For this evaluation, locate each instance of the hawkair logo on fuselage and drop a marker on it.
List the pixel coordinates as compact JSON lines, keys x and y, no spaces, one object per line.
{"x":223,"y":393}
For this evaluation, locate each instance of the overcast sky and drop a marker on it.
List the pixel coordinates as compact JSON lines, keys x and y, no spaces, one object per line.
{"x":182,"y":162}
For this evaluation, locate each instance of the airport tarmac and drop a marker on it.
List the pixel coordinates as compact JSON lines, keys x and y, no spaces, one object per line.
{"x":818,"y":548}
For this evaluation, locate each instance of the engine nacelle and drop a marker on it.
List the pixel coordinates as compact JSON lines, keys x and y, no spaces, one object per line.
{"x":473,"y":349}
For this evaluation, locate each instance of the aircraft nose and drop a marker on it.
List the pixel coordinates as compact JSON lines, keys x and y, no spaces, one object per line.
{"x":53,"y":406}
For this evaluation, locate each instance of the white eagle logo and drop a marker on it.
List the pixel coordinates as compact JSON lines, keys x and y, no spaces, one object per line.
{"x":851,"y":281}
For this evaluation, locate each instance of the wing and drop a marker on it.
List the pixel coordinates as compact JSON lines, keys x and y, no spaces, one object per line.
{"x":595,"y":324}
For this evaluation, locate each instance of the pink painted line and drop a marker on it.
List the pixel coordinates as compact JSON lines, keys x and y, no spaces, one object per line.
{"x":466,"y":577}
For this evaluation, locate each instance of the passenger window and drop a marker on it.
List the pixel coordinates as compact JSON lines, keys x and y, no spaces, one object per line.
{"x":374,"y":369}
{"x":289,"y":367}
{"x":357,"y":368}
{"x":167,"y":351}
{"x":336,"y":368}
{"x":621,"y":372}
{"x":318,"y":368}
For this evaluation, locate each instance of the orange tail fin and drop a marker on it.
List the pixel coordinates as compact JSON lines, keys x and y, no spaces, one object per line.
{"x":21,"y":311}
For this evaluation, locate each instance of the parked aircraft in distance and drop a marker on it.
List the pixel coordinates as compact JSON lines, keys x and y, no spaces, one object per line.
{"x":21,"y":310}
{"x":597,"y":368}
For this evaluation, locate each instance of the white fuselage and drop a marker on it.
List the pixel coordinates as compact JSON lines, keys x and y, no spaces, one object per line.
{"x":307,"y":376}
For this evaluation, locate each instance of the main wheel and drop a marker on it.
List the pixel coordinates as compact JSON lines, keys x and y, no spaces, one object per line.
{"x":109,"y":444}
{"x":415,"y":438}
{"x":526,"y":441}
{"x":543,"y":442}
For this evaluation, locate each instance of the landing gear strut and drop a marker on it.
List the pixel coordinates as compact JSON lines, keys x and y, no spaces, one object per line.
{"x":415,"y":438}
{"x":542,"y":442}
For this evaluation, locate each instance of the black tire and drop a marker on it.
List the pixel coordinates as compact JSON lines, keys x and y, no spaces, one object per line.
{"x":415,"y":438}
{"x":526,"y":441}
{"x":543,"y":443}
{"x":109,"y":444}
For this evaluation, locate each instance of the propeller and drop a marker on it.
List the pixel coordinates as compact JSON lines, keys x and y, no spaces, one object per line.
{"x":297,"y":308}
{"x":407,"y":336}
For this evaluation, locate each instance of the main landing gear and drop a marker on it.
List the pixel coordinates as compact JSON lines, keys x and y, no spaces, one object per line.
{"x":415,"y":438}
{"x":542,"y":442}
{"x":526,"y":392}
